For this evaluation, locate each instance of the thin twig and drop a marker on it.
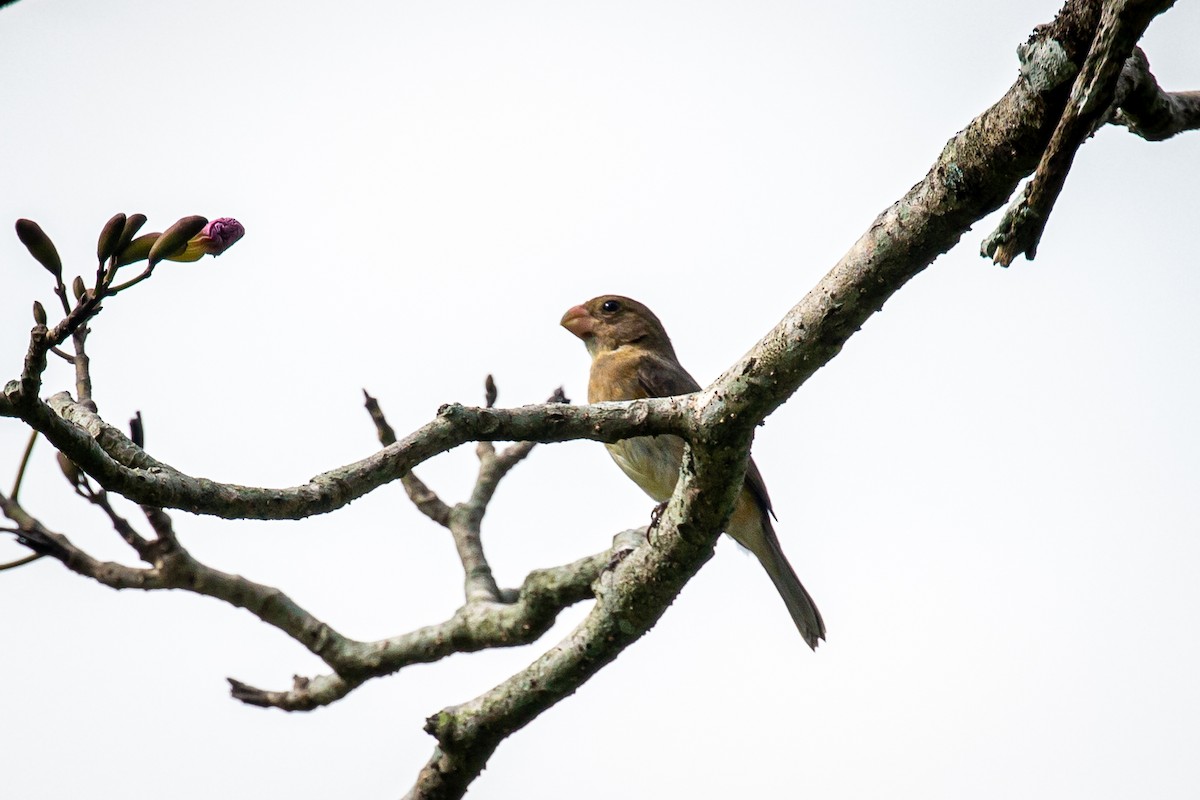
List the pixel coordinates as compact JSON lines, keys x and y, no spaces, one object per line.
{"x":424,"y":498}
{"x":16,"y":490}
{"x":109,"y":291}
{"x":20,"y":562}
{"x":473,"y":627}
{"x":1122,"y":23}
{"x":122,"y":526}
{"x":175,"y":568}
{"x":83,"y":368}
{"x":70,"y":359}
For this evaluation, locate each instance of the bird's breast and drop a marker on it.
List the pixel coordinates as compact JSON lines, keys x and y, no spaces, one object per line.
{"x":652,"y":462}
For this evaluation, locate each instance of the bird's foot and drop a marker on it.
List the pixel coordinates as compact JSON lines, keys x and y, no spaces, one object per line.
{"x":655,"y":516}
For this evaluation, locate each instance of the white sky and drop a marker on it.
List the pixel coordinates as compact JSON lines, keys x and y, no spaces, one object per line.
{"x":991,"y":492}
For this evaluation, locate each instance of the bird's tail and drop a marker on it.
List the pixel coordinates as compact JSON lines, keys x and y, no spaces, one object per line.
{"x":797,"y":599}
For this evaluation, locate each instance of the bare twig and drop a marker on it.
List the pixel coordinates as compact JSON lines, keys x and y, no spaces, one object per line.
{"x":1122,"y":23}
{"x":174,"y":568}
{"x":466,"y":519}
{"x":20,"y":562}
{"x":113,"y":290}
{"x":83,"y":368}
{"x":16,"y":490}
{"x":475,"y":626}
{"x":70,"y":359}
{"x":1148,"y":111}
{"x":426,"y":501}
{"x":512,"y":455}
{"x":122,"y":526}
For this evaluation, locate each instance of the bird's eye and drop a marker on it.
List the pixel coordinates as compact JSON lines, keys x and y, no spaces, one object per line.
{"x":610,"y":306}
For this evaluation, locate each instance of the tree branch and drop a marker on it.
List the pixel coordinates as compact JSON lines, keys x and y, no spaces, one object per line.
{"x":465,"y":519}
{"x":1122,"y":24}
{"x":1148,"y":111}
{"x":106,"y":454}
{"x":20,"y":562}
{"x":977,"y":170}
{"x":426,"y":501}
{"x":630,"y":599}
{"x":173,"y":567}
{"x":24,"y":463}
{"x":477,"y":625}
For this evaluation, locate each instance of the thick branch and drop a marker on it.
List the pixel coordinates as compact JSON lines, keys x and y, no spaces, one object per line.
{"x":106,"y":454}
{"x":475,"y":626}
{"x":629,"y":601}
{"x":977,"y":171}
{"x":1148,"y":111}
{"x":1122,"y":24}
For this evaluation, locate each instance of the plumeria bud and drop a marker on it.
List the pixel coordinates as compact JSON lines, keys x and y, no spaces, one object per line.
{"x":132,"y":225}
{"x":77,"y":288}
{"x":489,"y":391}
{"x":175,"y":238}
{"x":39,"y":313}
{"x":137,"y":431}
{"x":138,"y":249}
{"x":39,"y":246}
{"x":110,"y":237}
{"x":216,"y":237}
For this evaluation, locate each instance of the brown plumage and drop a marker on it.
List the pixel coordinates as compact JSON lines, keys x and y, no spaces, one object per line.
{"x":632,"y":358}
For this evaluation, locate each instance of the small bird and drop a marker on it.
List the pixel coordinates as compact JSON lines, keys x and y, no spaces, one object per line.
{"x":632,"y":358}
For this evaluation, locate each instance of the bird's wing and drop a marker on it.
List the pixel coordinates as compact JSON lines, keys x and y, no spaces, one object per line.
{"x":663,"y":377}
{"x":758,"y":488}
{"x":660,"y":376}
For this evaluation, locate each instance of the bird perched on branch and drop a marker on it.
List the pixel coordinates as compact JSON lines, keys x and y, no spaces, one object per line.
{"x":632,"y":358}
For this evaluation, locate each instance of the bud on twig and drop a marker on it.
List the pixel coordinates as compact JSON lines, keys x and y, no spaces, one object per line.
{"x":132,"y":225}
{"x":175,"y":238}
{"x":215,"y":238}
{"x":137,"y":433}
{"x":39,"y":313}
{"x":137,"y":250}
{"x":110,"y":237}
{"x":77,"y":288}
{"x":489,"y":391}
{"x":39,"y":246}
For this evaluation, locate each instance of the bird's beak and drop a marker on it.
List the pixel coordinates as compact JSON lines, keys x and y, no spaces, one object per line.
{"x":578,"y":321}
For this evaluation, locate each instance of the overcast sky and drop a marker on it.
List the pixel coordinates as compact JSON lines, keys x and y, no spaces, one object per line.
{"x":991,"y":492}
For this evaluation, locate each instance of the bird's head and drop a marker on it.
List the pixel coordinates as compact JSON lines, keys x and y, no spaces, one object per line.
{"x":611,"y":321}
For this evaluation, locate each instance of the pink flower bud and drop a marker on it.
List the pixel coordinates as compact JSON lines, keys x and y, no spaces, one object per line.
{"x":221,"y":234}
{"x":213,"y":239}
